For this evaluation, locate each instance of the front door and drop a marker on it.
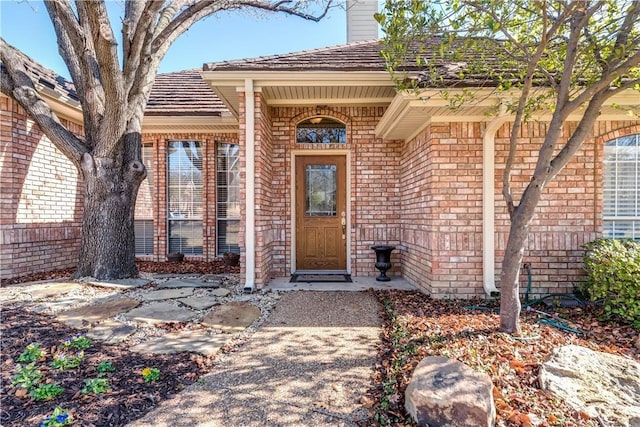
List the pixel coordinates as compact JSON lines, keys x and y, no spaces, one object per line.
{"x":321,"y":215}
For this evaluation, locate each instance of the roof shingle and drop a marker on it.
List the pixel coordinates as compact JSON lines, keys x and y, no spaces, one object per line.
{"x":358,"y":56}
{"x":183,"y":93}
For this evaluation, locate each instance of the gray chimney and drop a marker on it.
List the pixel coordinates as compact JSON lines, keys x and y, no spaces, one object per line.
{"x":360,"y":22}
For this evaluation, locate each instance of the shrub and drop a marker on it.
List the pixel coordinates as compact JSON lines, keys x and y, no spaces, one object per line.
{"x":613,"y":274}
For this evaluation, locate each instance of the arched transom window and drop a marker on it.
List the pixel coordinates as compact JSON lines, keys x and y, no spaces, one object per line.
{"x":621,"y":211}
{"x":321,"y":130}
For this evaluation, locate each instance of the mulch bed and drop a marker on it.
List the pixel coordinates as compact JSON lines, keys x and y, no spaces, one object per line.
{"x":418,"y":326}
{"x":129,"y":398}
{"x":184,"y":267}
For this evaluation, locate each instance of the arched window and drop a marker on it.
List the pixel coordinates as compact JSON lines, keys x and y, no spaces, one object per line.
{"x":321,"y":130}
{"x":621,"y":211}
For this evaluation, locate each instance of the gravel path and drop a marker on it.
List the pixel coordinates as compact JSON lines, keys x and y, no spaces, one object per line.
{"x":308,"y":365}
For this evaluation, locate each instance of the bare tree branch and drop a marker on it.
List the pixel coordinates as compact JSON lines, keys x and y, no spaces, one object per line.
{"x":77,"y":52}
{"x":630,"y":20}
{"x":532,"y":67}
{"x":113,"y":121}
{"x":577,"y":138}
{"x":17,"y":83}
{"x":606,"y":80}
{"x":139,"y":42}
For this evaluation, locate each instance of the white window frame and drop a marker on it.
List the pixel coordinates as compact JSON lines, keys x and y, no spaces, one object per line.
{"x":612,"y":219}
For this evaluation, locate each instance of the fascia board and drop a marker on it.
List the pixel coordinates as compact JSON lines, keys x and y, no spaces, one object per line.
{"x":298,"y":78}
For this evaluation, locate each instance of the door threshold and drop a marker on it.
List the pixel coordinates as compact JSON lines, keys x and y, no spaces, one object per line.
{"x":326,"y":272}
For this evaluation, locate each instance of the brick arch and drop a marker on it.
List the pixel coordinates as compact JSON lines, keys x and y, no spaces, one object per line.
{"x":625,"y":130}
{"x":322,"y":111}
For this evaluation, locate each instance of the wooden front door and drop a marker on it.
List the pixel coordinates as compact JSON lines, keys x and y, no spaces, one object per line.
{"x":321,"y":213}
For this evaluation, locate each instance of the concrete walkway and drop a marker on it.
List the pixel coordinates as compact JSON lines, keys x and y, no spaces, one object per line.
{"x":308,"y":365}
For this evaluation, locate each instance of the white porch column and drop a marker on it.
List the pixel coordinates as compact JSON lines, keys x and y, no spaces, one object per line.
{"x":250,"y":200}
{"x":488,"y":203}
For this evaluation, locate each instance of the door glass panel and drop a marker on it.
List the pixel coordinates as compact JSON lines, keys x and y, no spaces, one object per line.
{"x":320,"y":190}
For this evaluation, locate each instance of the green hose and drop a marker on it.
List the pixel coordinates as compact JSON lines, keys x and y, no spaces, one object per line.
{"x":527,"y":304}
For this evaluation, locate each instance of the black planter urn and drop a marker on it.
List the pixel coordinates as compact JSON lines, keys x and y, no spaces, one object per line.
{"x":383,"y":260}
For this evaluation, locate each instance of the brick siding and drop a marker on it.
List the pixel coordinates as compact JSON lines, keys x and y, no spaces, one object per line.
{"x":423,"y":195}
{"x":41,"y":198}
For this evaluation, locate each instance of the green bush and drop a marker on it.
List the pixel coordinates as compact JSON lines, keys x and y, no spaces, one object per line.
{"x":613,"y":275}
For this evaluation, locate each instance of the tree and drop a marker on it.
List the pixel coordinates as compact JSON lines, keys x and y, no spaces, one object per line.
{"x":562,"y":57}
{"x":113,"y":97}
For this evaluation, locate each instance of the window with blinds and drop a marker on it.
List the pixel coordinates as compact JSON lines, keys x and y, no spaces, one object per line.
{"x":184,"y":197}
{"x":621,"y":213}
{"x":143,"y":219}
{"x":227,"y":197}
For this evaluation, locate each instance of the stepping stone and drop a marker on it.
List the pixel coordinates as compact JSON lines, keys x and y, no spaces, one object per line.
{"x":160,"y":312}
{"x":119,"y":283}
{"x":111,"y":332}
{"x":49,"y":290}
{"x":175,"y":276}
{"x":202,"y":342}
{"x":187,"y":283}
{"x":166,"y":294}
{"x":199,"y":303}
{"x":221,"y":292}
{"x":90,"y":314}
{"x":213,"y":278}
{"x":232,"y":316}
{"x":60,"y":304}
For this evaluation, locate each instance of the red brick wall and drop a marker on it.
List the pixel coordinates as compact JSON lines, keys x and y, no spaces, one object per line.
{"x":266,"y":224}
{"x":441,"y":210}
{"x":441,"y":207}
{"x":41,"y":198}
{"x":374,"y":185}
{"x":570,"y":211}
{"x":40,"y":201}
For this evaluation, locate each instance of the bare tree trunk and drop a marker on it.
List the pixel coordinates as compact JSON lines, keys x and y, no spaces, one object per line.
{"x":108,"y":242}
{"x":509,"y":278}
{"x":514,"y":252}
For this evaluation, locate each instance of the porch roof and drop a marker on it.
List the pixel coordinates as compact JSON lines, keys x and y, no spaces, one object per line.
{"x":351,"y":74}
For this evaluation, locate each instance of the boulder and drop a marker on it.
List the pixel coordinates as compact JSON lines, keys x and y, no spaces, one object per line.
{"x":445,"y":392}
{"x":603,"y":385}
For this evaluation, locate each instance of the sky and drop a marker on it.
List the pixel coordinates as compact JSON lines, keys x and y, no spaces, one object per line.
{"x":25,"y":24}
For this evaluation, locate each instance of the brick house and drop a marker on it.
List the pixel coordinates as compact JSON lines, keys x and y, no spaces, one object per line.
{"x":302,"y":162}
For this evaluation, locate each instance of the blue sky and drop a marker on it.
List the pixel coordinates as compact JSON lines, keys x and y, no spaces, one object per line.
{"x":233,"y":35}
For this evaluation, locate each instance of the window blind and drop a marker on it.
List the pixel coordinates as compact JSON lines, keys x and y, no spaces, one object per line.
{"x":184,"y":197}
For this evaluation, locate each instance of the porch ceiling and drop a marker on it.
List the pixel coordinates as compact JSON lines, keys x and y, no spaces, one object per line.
{"x":304,"y":88}
{"x":190,"y":124}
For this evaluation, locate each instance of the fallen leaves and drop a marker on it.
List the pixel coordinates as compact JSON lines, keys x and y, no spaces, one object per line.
{"x":418,"y":326}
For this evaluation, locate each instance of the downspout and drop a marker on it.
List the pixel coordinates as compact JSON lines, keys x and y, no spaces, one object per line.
{"x":250,"y":201}
{"x":488,"y":201}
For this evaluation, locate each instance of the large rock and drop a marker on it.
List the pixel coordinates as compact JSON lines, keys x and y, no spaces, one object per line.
{"x":445,"y":392}
{"x":602,"y":385}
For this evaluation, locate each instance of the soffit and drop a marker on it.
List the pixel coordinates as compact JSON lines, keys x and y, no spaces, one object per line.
{"x":304,"y":88}
{"x":190,"y":124}
{"x":409,"y":114}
